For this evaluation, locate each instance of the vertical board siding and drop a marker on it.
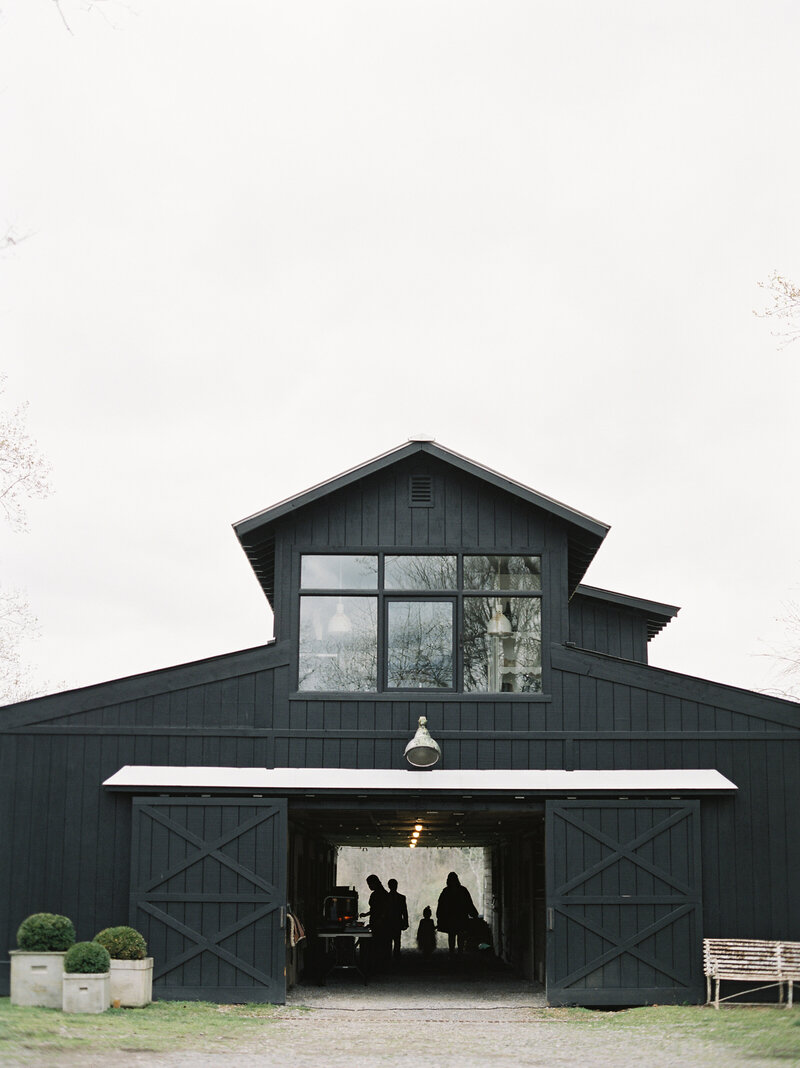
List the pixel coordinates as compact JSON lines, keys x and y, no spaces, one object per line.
{"x":60,"y":826}
{"x":624,"y":888}
{"x":467,"y":513}
{"x":606,"y":628}
{"x":208,"y":886}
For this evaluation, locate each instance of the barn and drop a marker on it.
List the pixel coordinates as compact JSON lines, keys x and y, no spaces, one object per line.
{"x":625,"y":811}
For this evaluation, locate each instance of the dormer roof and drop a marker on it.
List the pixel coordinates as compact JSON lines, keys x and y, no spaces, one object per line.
{"x":656,"y":613}
{"x":256,"y":533}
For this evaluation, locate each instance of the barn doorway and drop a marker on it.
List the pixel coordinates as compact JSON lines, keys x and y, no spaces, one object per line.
{"x":497,"y":850}
{"x":600,"y":895}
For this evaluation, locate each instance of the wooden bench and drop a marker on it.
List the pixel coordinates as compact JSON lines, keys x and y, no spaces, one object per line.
{"x":750,"y":960}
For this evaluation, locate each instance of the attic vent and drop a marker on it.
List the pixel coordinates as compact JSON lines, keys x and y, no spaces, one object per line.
{"x":420,"y":491}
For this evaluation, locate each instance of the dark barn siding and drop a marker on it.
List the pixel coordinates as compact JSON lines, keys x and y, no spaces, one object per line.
{"x":467,"y":514}
{"x":69,"y":839}
{"x":66,"y":841}
{"x":751,"y":846}
{"x":605,"y":628}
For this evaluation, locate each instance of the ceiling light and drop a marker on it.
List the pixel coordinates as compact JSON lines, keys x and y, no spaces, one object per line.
{"x":499,"y":625}
{"x":339,"y":625}
{"x":417,"y":826}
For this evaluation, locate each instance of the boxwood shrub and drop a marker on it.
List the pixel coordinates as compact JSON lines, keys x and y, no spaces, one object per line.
{"x":87,"y":958}
{"x":122,"y":943}
{"x":45,"y":932}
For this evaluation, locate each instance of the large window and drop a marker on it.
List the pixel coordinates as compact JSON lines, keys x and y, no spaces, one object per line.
{"x":386,"y":622}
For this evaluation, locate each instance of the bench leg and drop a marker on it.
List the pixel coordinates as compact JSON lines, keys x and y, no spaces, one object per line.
{"x":780,"y":993}
{"x":708,"y":990}
{"x":716,"y":999}
{"x":791,"y":991}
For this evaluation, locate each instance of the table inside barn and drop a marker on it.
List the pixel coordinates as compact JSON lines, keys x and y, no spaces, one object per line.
{"x":343,"y":948}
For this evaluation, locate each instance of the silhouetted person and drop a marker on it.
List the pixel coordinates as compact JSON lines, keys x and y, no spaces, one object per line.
{"x":454,"y":911}
{"x":426,"y":933}
{"x":397,"y":916}
{"x":378,"y":921}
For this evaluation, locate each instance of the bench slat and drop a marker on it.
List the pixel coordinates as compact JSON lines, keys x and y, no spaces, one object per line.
{"x":751,"y":958}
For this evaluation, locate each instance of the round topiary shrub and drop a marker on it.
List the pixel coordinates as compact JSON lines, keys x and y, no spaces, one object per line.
{"x":122,"y":943}
{"x":87,"y":958}
{"x":44,"y":932}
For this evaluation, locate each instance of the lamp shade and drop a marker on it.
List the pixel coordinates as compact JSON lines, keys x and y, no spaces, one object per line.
{"x":499,"y":625}
{"x":340,"y":623}
{"x":422,"y":751}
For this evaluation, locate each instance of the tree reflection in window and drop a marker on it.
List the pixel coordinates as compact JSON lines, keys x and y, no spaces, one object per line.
{"x":502,"y":645}
{"x":502,"y":572}
{"x":342,"y":572}
{"x":420,"y":644}
{"x":338,"y":643}
{"x":420,"y":573}
{"x":400,"y":633}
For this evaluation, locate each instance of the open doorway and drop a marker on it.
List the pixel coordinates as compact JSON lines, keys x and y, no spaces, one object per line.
{"x":497,"y":851}
{"x":420,"y":873}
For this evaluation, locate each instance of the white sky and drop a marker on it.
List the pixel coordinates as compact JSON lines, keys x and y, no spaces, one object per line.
{"x":270,"y":240}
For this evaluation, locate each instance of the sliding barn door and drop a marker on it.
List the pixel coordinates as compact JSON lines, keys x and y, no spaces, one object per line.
{"x":624,"y":904}
{"x":208,"y":891}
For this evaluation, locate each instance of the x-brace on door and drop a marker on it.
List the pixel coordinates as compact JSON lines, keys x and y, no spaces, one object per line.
{"x":624,"y":904}
{"x":208,"y":891}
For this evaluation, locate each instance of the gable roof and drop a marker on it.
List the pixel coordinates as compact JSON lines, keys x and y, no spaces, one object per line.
{"x":256,"y":532}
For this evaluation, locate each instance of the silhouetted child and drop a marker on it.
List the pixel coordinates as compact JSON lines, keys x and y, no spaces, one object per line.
{"x":426,"y":933}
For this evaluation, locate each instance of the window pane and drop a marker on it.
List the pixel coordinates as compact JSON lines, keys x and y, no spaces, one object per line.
{"x":420,"y":644}
{"x":420,"y":573}
{"x":339,"y":572}
{"x":502,"y":572}
{"x":338,"y":643}
{"x":502,"y":645}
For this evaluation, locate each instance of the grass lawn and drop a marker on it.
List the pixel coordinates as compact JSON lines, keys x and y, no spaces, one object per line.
{"x":30,"y":1034}
{"x":162,"y":1026}
{"x":759,"y":1031}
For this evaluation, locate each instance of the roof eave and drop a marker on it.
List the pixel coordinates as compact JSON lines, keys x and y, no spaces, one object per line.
{"x":593,"y":527}
{"x":658,"y":615}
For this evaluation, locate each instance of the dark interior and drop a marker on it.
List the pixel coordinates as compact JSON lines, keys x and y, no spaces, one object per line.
{"x":511,"y":834}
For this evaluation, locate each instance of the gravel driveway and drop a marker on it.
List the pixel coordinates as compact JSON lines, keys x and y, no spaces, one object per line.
{"x":471,"y":1037}
{"x":448,"y":1019}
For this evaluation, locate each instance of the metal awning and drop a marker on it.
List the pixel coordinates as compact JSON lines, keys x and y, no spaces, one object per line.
{"x":358,"y":782}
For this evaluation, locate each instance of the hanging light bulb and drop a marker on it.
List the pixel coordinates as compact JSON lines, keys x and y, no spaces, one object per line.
{"x":499,"y":626}
{"x":340,"y":623}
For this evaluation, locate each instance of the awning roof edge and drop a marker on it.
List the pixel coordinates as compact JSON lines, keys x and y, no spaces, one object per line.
{"x":359,"y":781}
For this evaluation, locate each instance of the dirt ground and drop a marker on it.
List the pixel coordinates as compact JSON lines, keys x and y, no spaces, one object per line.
{"x":456,"y":1020}
{"x":469,"y":1037}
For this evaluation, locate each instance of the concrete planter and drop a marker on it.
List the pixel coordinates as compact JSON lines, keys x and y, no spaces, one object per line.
{"x":36,"y":978}
{"x":89,"y":992}
{"x":132,"y":982}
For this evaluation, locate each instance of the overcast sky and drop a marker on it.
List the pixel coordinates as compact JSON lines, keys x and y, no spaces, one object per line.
{"x":271,"y":240}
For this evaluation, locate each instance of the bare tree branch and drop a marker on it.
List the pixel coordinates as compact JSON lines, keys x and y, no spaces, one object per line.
{"x":11,"y":239}
{"x":785,"y":306}
{"x":63,"y":17}
{"x":17,"y":623}
{"x":787,"y":656}
{"x":24,"y":472}
{"x":24,"y":475}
